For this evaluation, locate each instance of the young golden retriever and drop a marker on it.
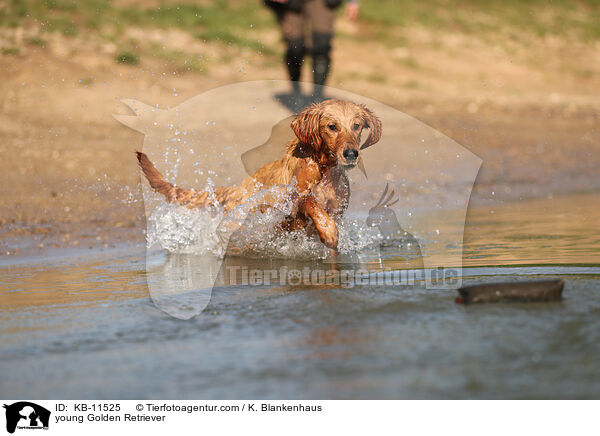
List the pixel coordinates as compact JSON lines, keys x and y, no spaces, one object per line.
{"x":327,"y":144}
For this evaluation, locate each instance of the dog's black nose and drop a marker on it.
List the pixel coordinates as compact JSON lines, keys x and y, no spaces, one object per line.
{"x":350,"y":154}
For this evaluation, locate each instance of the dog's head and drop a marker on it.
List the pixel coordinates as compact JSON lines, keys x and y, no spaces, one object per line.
{"x":333,"y":129}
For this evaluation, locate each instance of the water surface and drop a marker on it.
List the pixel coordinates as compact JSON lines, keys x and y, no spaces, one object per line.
{"x":85,"y":327}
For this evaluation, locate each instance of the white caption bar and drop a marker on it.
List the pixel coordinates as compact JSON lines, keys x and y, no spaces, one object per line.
{"x":156,"y":417}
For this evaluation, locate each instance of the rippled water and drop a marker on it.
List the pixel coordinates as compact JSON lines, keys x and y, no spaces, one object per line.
{"x":86,"y":327}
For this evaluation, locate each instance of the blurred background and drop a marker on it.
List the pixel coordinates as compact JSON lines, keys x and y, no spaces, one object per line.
{"x":516,"y":82}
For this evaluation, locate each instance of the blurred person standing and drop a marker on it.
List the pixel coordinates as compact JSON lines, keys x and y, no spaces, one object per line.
{"x":294,"y":16}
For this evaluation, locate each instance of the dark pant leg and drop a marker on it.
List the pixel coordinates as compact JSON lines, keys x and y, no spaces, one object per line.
{"x":292,"y":27}
{"x":321,"y":54}
{"x":294,"y":57}
{"x":321,"y":19}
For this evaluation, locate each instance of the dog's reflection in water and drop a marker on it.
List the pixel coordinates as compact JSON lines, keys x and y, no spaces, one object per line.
{"x":396,"y":240}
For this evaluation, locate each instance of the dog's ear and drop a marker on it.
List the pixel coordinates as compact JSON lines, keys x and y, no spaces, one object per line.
{"x":306,"y":126}
{"x":374,"y":125}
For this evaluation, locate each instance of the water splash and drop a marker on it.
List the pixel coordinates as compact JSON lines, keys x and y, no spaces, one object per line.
{"x":252,"y":233}
{"x":178,"y":229}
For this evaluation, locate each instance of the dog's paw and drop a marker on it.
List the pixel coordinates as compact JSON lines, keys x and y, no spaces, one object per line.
{"x":328,"y":233}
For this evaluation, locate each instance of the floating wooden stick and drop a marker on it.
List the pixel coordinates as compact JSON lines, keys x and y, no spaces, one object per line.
{"x":538,"y":290}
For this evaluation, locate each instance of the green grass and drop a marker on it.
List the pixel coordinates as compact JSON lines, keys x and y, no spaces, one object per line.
{"x":63,"y":25}
{"x":127,"y":58}
{"x":10,"y":51}
{"x":572,"y":18}
{"x":230,"y":38}
{"x":36,"y":40}
{"x":232,"y":23}
{"x":186,"y":62}
{"x":237,"y":22}
{"x":160,"y":52}
{"x":195,"y":64}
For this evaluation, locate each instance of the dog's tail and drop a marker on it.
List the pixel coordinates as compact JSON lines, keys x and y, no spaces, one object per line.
{"x":173,"y":194}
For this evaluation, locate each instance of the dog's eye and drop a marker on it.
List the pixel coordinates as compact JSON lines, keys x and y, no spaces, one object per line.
{"x":332,"y":127}
{"x":356,"y":126}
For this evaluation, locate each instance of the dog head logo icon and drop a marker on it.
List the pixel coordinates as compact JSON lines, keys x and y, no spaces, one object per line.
{"x":26,"y":415}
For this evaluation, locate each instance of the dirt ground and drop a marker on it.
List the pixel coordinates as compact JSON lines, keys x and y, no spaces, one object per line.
{"x":530,"y":110}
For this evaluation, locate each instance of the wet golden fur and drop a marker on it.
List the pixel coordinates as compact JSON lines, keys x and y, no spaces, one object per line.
{"x":327,"y":144}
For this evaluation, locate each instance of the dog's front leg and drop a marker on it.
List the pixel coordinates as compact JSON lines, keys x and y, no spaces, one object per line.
{"x":308,"y":174}
{"x":325,"y":225}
